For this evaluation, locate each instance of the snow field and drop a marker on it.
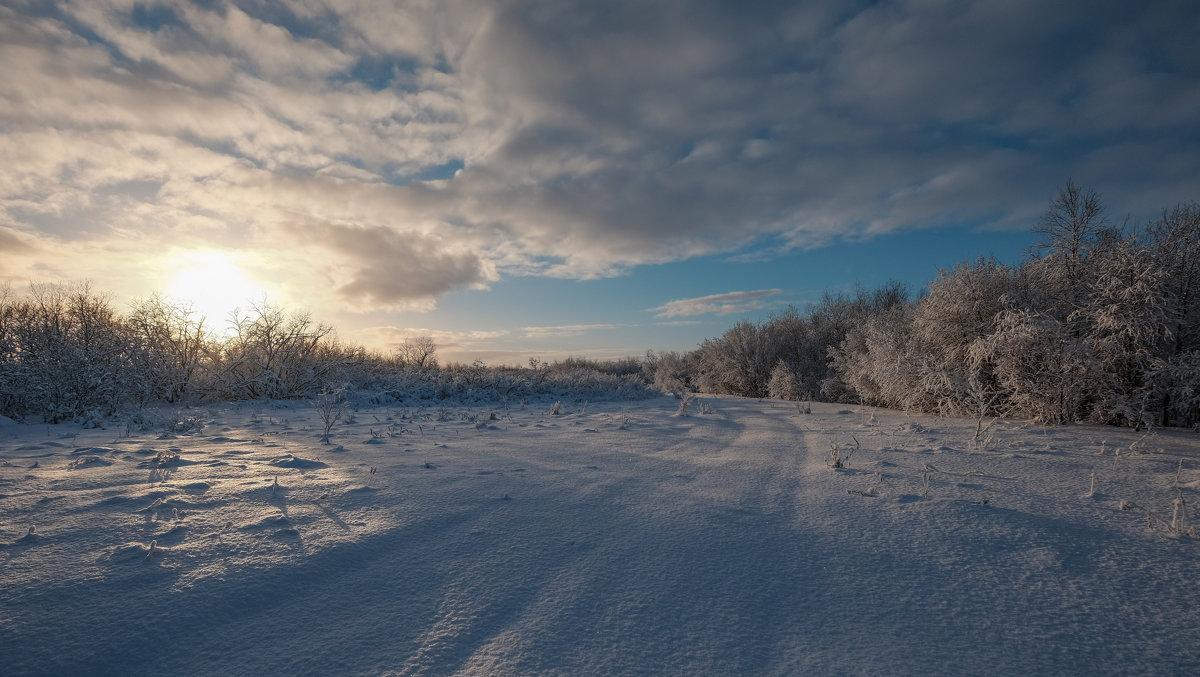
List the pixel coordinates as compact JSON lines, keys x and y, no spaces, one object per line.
{"x":614,"y":538}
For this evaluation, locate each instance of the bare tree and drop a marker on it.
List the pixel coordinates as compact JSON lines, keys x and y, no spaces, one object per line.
{"x":276,"y":354}
{"x":418,"y":352}
{"x":169,"y":345}
{"x":1073,"y":222}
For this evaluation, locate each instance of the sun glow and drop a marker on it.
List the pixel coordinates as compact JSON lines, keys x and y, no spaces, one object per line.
{"x":213,"y":284}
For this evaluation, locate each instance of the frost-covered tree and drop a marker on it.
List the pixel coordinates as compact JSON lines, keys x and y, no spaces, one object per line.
{"x":1126,"y":318}
{"x":1179,"y":379}
{"x":961,"y":308}
{"x":169,"y":342}
{"x":882,"y":361}
{"x":670,"y":372}
{"x":1102,"y":324}
{"x":1039,"y":370}
{"x":1174,"y":241}
{"x":739,"y":362}
{"x":9,"y":351}
{"x":68,"y":354}
{"x":274,"y":354}
{"x":835,"y":319}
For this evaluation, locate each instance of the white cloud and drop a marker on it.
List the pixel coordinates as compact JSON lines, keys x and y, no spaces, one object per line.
{"x":719,"y":304}
{"x":445,"y":339}
{"x":385,"y":267}
{"x":590,"y":139}
{"x":569,"y":330}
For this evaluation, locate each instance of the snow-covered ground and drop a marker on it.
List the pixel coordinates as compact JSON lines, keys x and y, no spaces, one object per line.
{"x":616,"y":539}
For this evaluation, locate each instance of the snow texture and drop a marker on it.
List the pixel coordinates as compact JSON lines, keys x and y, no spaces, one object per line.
{"x":616,"y":539}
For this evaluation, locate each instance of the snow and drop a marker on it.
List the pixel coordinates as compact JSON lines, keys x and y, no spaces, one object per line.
{"x":615,"y":538}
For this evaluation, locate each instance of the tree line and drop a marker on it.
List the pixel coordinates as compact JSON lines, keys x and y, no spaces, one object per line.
{"x":66,"y":353}
{"x":1100,"y":323}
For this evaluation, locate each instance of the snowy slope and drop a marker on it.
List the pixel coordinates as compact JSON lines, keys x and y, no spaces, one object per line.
{"x":618,"y":539}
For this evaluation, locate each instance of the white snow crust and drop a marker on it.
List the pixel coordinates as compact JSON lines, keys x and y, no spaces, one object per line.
{"x":613,"y":539}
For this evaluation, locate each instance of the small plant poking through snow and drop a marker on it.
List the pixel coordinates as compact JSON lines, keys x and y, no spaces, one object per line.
{"x":881,"y":484}
{"x":838,"y":457}
{"x":1179,"y":520}
{"x":555,"y":409}
{"x":330,"y":406}
{"x":184,"y":424}
{"x":686,"y":398}
{"x":153,"y":550}
{"x":984,"y":435}
{"x":166,"y":457}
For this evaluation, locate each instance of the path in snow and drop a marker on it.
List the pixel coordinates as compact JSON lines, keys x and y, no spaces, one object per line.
{"x":618,"y":540}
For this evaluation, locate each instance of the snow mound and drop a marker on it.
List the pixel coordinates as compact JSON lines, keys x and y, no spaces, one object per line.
{"x":290,"y":461}
{"x":88,"y":462}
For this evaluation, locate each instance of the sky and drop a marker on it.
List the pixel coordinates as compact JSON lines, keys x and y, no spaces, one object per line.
{"x":540,"y":179}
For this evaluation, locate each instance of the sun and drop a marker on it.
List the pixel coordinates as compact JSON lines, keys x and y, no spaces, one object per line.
{"x":213,"y":284}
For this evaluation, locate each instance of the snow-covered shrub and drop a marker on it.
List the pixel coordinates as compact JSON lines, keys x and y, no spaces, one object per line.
{"x":783,"y":384}
{"x":65,"y":355}
{"x":168,"y":347}
{"x":274,"y":354}
{"x":881,"y":361}
{"x":1041,"y":371}
{"x":670,"y":372}
{"x":962,"y":307}
{"x":685,"y":402}
{"x":838,"y":456}
{"x":738,"y":362}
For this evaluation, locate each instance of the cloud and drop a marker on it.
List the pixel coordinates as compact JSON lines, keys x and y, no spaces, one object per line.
{"x":443,"y":146}
{"x":569,"y":330}
{"x":445,"y":339}
{"x":399,"y":269}
{"x":719,"y":304}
